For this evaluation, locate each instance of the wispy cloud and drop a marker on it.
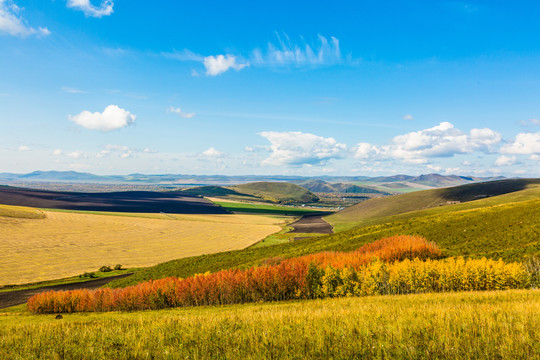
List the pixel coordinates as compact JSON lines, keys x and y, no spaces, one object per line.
{"x":104,"y":9}
{"x":285,"y":52}
{"x":23,"y":148}
{"x":13,"y":24}
{"x":181,"y":113}
{"x":111,"y":118}
{"x":407,"y":117}
{"x":278,"y":54}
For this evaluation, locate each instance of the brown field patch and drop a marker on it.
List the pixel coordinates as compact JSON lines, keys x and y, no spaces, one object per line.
{"x":67,"y":244}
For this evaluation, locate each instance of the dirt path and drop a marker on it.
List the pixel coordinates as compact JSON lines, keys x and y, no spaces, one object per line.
{"x":311,"y":224}
{"x":18,"y":297}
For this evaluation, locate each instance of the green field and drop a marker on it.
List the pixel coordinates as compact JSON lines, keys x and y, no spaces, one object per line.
{"x":483,"y":325}
{"x":264,"y":209}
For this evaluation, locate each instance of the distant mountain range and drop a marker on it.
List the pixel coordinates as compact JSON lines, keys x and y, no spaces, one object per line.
{"x":315,"y":183}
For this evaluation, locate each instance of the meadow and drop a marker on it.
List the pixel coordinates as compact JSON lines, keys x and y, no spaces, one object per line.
{"x":507,"y":231}
{"x":465,"y":325}
{"x":65,"y":243}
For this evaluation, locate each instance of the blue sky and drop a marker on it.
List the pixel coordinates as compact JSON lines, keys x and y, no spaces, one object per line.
{"x":243,"y":87}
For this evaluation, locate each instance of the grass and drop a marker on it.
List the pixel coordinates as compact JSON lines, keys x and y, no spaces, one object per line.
{"x":484,"y":325}
{"x":380,"y":210}
{"x":264,"y":209}
{"x":68,"y":280}
{"x":508,"y":231}
{"x":20,"y":212}
{"x":67,"y":244}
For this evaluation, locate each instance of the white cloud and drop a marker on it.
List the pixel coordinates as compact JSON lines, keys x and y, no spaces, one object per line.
{"x":122,"y":151}
{"x":504,"y":160}
{"x":111,"y":118}
{"x":443,"y":140}
{"x":216,"y":65}
{"x":525,"y":144}
{"x":104,"y":9}
{"x":76,"y":154}
{"x":181,"y":113}
{"x":24,"y":148}
{"x":365,"y":151}
{"x":57,"y":152}
{"x":12,"y":24}
{"x":285,"y":53}
{"x":408,"y":117}
{"x":297,"y":148}
{"x":212,"y":153}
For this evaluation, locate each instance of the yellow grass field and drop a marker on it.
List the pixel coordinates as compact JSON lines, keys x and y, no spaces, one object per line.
{"x":69,"y":243}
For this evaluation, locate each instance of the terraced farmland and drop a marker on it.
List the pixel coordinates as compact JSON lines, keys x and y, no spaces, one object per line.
{"x":69,"y":243}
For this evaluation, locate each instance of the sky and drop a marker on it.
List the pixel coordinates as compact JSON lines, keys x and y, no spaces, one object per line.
{"x":363,"y":88}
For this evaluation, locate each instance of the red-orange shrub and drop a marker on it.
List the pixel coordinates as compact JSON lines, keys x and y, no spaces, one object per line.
{"x":288,"y":279}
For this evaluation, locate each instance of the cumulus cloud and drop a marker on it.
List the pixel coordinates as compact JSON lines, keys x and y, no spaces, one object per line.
{"x":216,"y":65}
{"x":24,"y":148}
{"x":212,"y":153}
{"x":57,"y":152}
{"x":408,"y":117}
{"x":297,"y":148}
{"x":504,"y":160}
{"x":285,"y":53}
{"x":104,"y":9}
{"x":443,"y":140}
{"x":181,"y":113}
{"x":111,"y":118}
{"x":524,"y":144}
{"x":13,"y":24}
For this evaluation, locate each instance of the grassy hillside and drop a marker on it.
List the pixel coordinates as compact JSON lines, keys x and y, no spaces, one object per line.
{"x":320,"y":186}
{"x":508,"y":231}
{"x":277,"y":192}
{"x":484,"y":325}
{"x":20,"y":212}
{"x":209,"y":191}
{"x":478,"y":194}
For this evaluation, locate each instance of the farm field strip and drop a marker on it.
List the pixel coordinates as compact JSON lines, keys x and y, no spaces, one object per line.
{"x":67,"y":244}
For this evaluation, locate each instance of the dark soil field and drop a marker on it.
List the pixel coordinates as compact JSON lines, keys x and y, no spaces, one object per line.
{"x":311,"y":224}
{"x":123,"y":201}
{"x":18,"y":297}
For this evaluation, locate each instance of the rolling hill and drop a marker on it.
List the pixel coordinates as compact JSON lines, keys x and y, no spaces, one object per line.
{"x":319,"y":186}
{"x":277,"y":192}
{"x":377,"y":210}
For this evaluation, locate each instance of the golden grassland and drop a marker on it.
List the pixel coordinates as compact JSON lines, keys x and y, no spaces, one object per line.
{"x":467,"y":325}
{"x":70,"y":243}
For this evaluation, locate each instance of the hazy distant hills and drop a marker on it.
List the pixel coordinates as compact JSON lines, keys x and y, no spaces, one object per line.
{"x":322,"y":183}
